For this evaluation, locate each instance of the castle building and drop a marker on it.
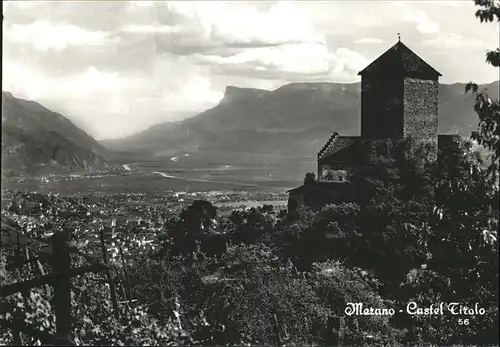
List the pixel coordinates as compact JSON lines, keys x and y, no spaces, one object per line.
{"x":399,"y":100}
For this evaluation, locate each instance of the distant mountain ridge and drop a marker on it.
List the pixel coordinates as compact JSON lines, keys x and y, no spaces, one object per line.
{"x":36,"y":140}
{"x":295,"y":120}
{"x":234,"y":94}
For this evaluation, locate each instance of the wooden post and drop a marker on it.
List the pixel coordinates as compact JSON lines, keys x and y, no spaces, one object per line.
{"x":62,"y":288}
{"x":127,"y":279}
{"x":341,"y":331}
{"x":280,"y":339}
{"x":18,"y":338}
{"x":108,"y":273}
{"x":331,"y":335}
{"x":177,"y":312}
{"x":124,"y":292}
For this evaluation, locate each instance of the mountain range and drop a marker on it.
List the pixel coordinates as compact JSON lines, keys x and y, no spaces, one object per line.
{"x":36,"y":140}
{"x":251,"y":128}
{"x":294,"y":120}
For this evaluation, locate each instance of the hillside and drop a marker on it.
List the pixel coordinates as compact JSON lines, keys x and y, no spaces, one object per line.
{"x":294,"y":120}
{"x":36,"y":140}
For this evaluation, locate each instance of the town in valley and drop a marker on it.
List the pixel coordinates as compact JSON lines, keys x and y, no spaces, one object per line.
{"x":250,"y":173}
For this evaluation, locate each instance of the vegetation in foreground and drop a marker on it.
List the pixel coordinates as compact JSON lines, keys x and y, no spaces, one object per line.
{"x":419,"y":232}
{"x":260,"y":276}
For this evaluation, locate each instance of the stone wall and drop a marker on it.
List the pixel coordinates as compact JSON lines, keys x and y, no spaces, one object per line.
{"x":421,"y":111}
{"x":381,"y":106}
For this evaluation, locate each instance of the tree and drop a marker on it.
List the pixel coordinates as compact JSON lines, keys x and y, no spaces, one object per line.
{"x":459,"y":261}
{"x":199,"y":216}
{"x":488,"y":109}
{"x":332,"y":235}
{"x":186,"y":233}
{"x":310,"y":178}
{"x":462,"y":222}
{"x":248,"y":226}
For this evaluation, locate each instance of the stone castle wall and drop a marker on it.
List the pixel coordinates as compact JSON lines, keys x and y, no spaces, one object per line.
{"x":421,"y":100}
{"x":381,"y":106}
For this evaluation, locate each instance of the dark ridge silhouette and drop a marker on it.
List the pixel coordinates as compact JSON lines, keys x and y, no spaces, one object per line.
{"x":36,"y":140}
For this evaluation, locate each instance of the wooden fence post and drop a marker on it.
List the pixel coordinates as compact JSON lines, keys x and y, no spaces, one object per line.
{"x":17,"y":338}
{"x":334,"y":331}
{"x":127,"y":301}
{"x":177,"y":312}
{"x":341,"y":331}
{"x":60,"y":278}
{"x":278,"y":330}
{"x":108,"y":273}
{"x":62,"y":288}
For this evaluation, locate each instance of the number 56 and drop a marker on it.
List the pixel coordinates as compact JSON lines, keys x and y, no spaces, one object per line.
{"x":463,"y":321}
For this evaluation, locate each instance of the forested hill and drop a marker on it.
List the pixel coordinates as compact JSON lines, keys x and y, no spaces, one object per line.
{"x":36,"y":140}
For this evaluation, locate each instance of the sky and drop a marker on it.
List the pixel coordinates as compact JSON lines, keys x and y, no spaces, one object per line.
{"x":116,"y":68}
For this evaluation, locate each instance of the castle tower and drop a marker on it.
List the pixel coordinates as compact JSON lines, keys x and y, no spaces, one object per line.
{"x":399,"y":97}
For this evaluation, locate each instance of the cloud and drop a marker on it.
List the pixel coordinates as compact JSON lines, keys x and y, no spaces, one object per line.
{"x":239,"y":24}
{"x":291,"y":62}
{"x":369,"y":40}
{"x":454,"y":41}
{"x":280,"y":37}
{"x":33,"y":84}
{"x":293,"y":58}
{"x":142,"y":3}
{"x":108,"y":104}
{"x":43,"y":35}
{"x":452,"y":3}
{"x":283,"y":23}
{"x":121,"y":66}
{"x":457,"y":4}
{"x":196,"y":93}
{"x":138,"y":28}
{"x":238,"y":39}
{"x":424,"y":24}
{"x":351,"y":60}
{"x":20,"y":80}
{"x":93,"y":81}
{"x":26,"y":5}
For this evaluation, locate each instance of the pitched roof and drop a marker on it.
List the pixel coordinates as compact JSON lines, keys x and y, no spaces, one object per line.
{"x":335,"y":144}
{"x":400,"y":57}
{"x":327,"y":144}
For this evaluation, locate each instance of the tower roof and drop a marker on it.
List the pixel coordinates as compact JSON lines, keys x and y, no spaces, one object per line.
{"x":400,"y":58}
